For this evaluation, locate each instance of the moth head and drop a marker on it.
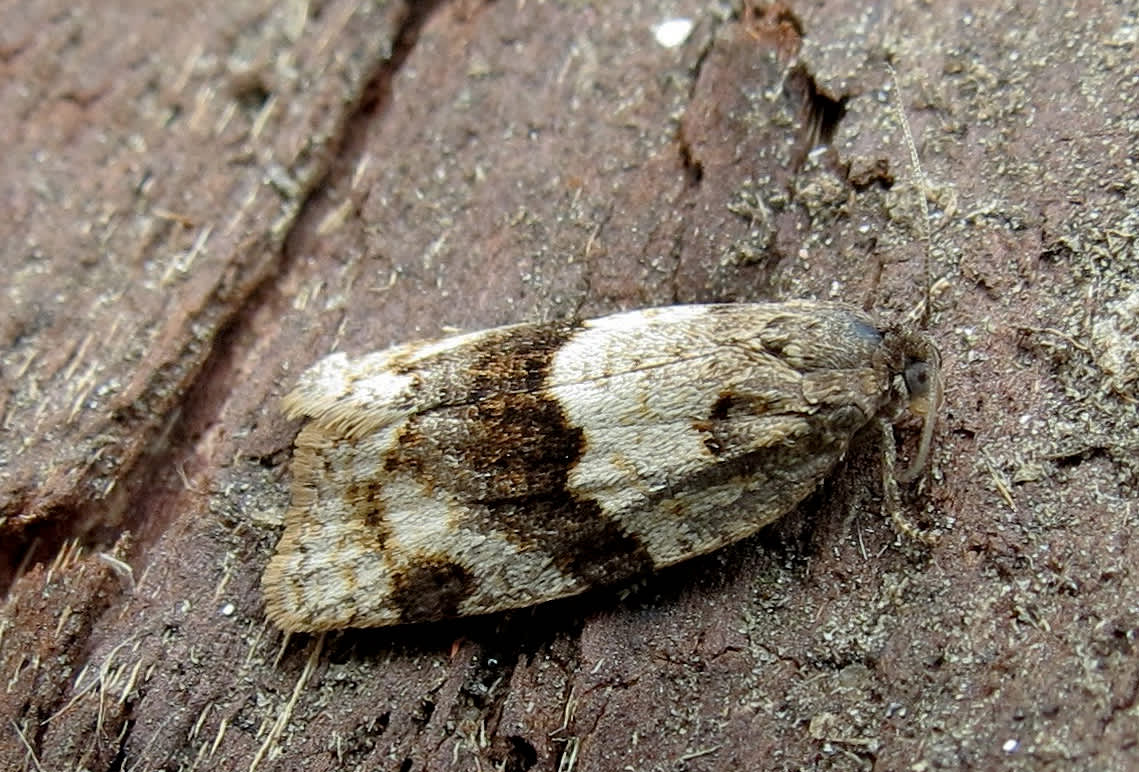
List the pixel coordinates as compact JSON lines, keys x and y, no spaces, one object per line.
{"x":919,"y":377}
{"x":923,"y":392}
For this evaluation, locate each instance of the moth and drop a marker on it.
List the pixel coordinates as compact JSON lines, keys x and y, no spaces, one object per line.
{"x":508,"y":467}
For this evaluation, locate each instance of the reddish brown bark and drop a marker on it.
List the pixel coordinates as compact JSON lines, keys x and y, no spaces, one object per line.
{"x":204,"y":198}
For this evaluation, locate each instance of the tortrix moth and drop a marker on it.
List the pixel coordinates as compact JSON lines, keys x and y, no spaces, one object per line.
{"x":508,"y":467}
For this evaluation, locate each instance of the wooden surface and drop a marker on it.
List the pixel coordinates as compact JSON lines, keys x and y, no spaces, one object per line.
{"x":203,"y":198}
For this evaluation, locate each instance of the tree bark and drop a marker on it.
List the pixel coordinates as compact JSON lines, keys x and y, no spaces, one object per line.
{"x":204,"y":198}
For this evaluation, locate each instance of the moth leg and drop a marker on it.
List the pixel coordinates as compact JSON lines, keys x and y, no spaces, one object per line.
{"x":891,"y":497}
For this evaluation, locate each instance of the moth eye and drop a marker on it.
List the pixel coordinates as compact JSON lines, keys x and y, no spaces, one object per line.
{"x":917,"y":377}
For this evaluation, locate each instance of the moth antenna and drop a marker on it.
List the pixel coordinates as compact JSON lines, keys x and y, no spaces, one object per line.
{"x":925,"y":307}
{"x":923,"y":185}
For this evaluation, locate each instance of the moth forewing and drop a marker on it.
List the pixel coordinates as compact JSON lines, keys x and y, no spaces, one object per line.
{"x":521,"y":464}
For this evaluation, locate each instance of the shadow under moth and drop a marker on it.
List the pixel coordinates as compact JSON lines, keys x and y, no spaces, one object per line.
{"x":508,"y":467}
